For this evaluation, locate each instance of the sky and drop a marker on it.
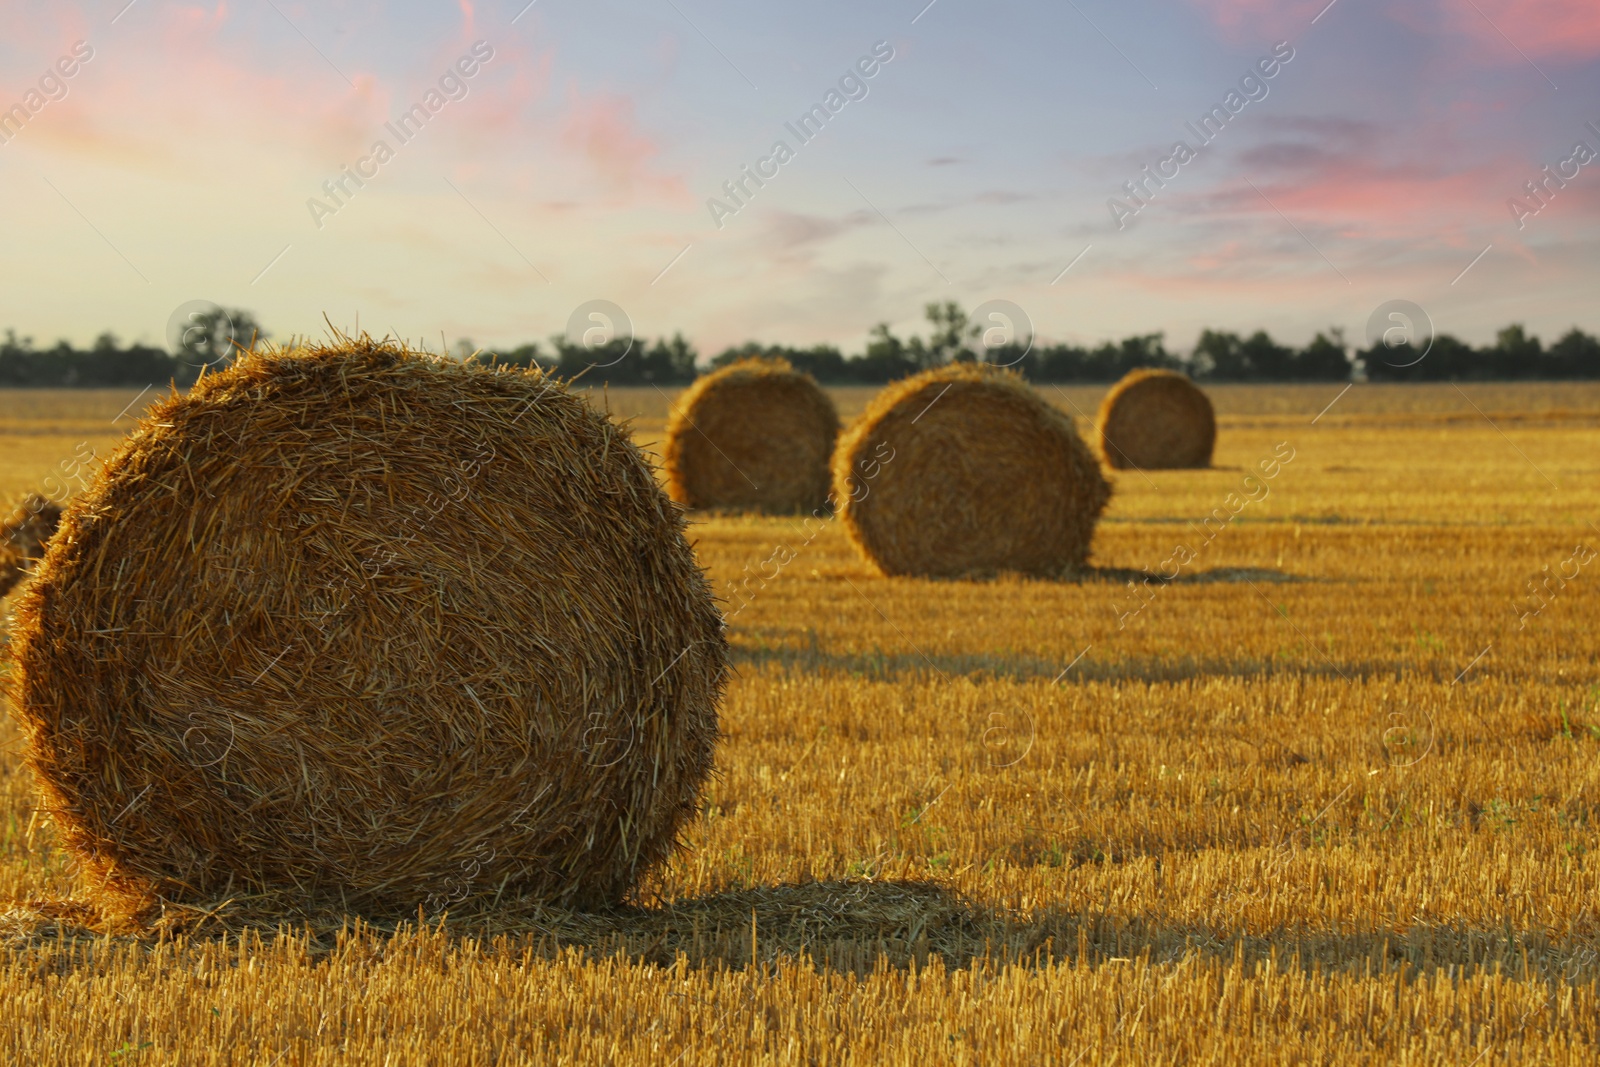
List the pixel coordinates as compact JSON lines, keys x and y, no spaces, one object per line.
{"x":584,"y":158}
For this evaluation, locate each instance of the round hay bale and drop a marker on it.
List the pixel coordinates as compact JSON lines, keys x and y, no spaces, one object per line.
{"x":966,"y":470}
{"x":756,"y":436}
{"x":354,"y":628}
{"x":23,"y":536}
{"x":1156,"y":420}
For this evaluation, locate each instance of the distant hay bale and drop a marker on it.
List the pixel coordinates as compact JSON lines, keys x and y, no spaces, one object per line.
{"x":966,"y":470}
{"x":353,"y":628}
{"x":756,"y":435}
{"x":1156,"y":420}
{"x":23,"y":536}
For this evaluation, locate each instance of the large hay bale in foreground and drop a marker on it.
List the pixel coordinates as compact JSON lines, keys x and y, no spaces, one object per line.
{"x":966,"y":470}
{"x":354,"y":628}
{"x":1156,"y":420}
{"x":23,"y":536}
{"x":756,"y":435}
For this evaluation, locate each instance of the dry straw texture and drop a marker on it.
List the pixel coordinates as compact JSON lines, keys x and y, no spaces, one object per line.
{"x":1156,"y":420}
{"x":754,"y":436}
{"x":23,"y":536}
{"x":353,"y":627}
{"x":1160,"y":864}
{"x":966,"y":470}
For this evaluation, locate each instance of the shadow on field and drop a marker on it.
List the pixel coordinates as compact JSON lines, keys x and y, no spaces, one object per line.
{"x":845,"y":925}
{"x":791,"y":649}
{"x":1242,"y":575}
{"x":856,"y":927}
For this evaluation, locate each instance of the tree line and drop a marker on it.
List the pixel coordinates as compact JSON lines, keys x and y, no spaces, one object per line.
{"x":1218,"y":356}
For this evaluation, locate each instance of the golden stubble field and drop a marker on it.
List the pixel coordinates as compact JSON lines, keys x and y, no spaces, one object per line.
{"x":1327,"y":797}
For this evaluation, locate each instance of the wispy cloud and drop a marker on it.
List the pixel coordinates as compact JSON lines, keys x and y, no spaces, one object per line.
{"x":1556,"y":29}
{"x":604,"y":131}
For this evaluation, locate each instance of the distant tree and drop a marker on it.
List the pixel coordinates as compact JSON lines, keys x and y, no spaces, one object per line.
{"x":1324,"y":359}
{"x":1022,"y":358}
{"x":1446,"y":359}
{"x":1266,"y":359}
{"x":1576,"y":355}
{"x":626,"y":361}
{"x":950,"y":340}
{"x":1514,"y":355}
{"x":669,"y":361}
{"x":1226,"y":357}
{"x":951,"y":337}
{"x":601,"y":363}
{"x":524,"y":356}
{"x":1218,"y":356}
{"x":1056,"y":363}
{"x":1141,"y":350}
{"x":825,"y":363}
{"x":17,"y":360}
{"x":214,"y":338}
{"x":217,"y":337}
{"x":748,"y":350}
{"x":1106,"y":363}
{"x":886,"y":358}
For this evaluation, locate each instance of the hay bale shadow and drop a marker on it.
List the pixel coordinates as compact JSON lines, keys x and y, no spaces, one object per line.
{"x":1240,"y":574}
{"x":857,"y":927}
{"x":848,"y":926}
{"x":852,"y":926}
{"x":1215,"y":574}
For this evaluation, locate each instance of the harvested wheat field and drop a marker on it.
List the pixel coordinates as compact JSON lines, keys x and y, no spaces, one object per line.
{"x":1304,"y":769}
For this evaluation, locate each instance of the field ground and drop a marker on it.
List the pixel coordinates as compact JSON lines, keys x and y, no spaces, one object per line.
{"x":1328,"y":797}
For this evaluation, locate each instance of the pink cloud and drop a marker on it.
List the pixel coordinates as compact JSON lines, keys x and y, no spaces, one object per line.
{"x":199,"y":17}
{"x":182,"y":93}
{"x":1333,"y":173}
{"x":1367,"y":199}
{"x":122,"y":109}
{"x":1370,"y":218}
{"x":1558,"y":29}
{"x":521,"y":82}
{"x":1231,"y":13}
{"x":1256,"y":19}
{"x":42,"y":33}
{"x":603,"y":130}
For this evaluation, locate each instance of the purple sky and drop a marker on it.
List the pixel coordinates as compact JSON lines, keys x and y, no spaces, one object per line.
{"x":185,"y":157}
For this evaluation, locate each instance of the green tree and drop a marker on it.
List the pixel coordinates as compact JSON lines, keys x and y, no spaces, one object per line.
{"x":1576,"y":355}
{"x":951,"y":337}
{"x":886,"y":358}
{"x":214,"y":338}
{"x":1515,"y":354}
{"x":1323,"y":360}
